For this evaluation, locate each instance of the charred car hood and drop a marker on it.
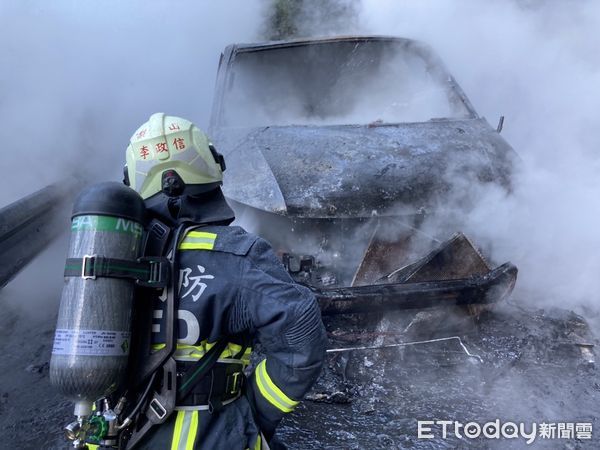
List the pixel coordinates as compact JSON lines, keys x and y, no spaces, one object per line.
{"x":358,"y":171}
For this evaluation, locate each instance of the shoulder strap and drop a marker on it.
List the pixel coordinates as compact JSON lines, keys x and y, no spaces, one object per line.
{"x":155,"y":360}
{"x":157,"y":239}
{"x":161,"y":404}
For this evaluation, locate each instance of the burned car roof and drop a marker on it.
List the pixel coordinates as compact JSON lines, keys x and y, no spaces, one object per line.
{"x":347,"y":127}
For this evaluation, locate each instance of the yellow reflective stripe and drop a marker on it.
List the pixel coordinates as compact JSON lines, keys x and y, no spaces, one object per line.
{"x":196,"y":246}
{"x":198,"y":351}
{"x":198,"y":240}
{"x":271,"y":392}
{"x":201,"y":234}
{"x":177,"y":430}
{"x":193,"y":431}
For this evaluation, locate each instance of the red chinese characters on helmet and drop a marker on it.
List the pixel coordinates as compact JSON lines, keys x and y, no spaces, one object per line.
{"x":174,"y":127}
{"x":141,"y":134}
{"x":161,"y":147}
{"x":144,"y":152}
{"x":179,"y":143}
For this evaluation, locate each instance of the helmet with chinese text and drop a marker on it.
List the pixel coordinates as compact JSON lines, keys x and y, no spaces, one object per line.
{"x":167,"y":153}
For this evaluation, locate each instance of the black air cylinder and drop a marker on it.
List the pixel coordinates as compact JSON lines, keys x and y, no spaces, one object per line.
{"x":92,"y":339}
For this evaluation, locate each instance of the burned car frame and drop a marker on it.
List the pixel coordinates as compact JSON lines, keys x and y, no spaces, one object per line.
{"x":338,"y":148}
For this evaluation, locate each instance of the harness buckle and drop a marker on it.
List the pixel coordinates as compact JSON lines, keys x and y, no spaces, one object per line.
{"x":233,"y":383}
{"x":158,"y":409}
{"x":158,"y":273}
{"x":87,"y":267}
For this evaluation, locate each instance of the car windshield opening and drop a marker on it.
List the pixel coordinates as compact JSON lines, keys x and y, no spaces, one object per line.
{"x":338,"y":82}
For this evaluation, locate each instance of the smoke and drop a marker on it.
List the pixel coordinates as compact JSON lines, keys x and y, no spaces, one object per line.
{"x":536,"y":63}
{"x":79,"y":77}
{"x":533,"y":62}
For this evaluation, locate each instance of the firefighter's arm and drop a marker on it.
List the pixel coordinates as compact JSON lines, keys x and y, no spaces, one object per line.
{"x":286,"y":320}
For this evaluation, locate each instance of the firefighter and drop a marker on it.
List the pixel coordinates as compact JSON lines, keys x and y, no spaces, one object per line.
{"x":232,"y":287}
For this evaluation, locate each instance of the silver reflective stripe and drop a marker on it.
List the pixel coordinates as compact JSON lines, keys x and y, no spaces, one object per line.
{"x":185,"y":430}
{"x":263,"y":442}
{"x":193,"y":408}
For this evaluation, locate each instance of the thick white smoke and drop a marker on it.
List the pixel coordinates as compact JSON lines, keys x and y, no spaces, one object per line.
{"x":536,"y":63}
{"x":79,"y":77}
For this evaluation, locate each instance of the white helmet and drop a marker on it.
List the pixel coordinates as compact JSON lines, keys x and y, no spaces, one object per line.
{"x":167,"y":144}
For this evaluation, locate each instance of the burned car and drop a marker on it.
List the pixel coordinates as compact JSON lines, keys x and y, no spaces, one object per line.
{"x":338,"y":148}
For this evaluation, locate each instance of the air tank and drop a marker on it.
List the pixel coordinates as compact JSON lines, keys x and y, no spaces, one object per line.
{"x":93,"y":332}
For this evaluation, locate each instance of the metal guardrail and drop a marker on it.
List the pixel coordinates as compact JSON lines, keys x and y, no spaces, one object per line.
{"x":27,"y":226}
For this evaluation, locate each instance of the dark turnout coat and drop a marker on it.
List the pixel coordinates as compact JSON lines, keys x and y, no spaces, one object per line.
{"x":232,"y":284}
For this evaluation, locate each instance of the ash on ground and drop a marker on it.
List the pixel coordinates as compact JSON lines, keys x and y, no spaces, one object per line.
{"x":537,"y":366}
